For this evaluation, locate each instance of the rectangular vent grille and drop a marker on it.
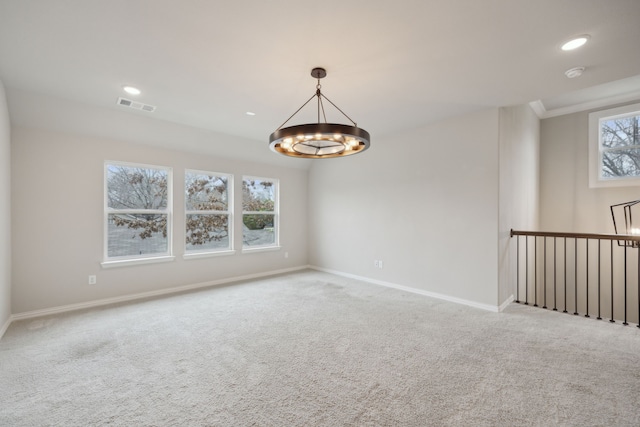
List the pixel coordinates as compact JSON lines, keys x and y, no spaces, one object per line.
{"x":136,"y":105}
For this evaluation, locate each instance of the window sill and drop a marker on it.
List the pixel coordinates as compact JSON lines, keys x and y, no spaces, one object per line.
{"x":198,"y":255}
{"x":614,"y":182}
{"x":136,"y":261}
{"x":260,"y":249}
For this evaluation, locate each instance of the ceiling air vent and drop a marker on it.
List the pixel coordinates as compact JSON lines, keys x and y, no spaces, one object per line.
{"x":136,"y":105}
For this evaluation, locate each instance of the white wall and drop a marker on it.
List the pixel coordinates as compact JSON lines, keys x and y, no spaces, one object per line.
{"x":519,"y":192}
{"x":566,"y":201}
{"x":433,"y":214}
{"x":5,"y":213}
{"x":57,"y":207}
{"x":425,"y":202}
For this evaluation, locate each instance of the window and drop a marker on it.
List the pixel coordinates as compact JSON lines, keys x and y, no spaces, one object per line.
{"x":259,"y":212}
{"x":137,"y":212}
{"x":208,"y":212}
{"x":614,"y":154}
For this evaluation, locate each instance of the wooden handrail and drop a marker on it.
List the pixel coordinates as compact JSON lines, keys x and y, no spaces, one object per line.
{"x":625,"y":237}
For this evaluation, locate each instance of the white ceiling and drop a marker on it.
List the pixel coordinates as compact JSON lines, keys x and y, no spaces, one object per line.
{"x":391,"y":65}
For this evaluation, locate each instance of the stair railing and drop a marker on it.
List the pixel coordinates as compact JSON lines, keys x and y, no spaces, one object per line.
{"x":583,"y":273}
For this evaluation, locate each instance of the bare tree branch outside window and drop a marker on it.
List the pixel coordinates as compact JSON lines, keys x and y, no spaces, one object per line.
{"x":620,"y":145}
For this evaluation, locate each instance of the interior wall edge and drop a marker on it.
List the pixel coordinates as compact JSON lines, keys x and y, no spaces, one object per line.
{"x":6,"y":230}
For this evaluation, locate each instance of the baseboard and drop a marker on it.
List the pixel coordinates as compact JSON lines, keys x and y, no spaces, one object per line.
{"x":487,"y":307}
{"x":133,"y":297}
{"x":506,"y":303}
{"x":4,"y":327}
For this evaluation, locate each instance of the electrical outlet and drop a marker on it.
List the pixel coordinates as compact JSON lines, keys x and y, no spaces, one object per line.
{"x":380,"y":264}
{"x":92,"y":280}
{"x":286,"y":254}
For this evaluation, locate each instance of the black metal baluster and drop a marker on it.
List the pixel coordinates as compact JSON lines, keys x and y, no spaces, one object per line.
{"x":518,"y":269}
{"x":625,"y":284}
{"x":565,"y":276}
{"x":526,"y":271}
{"x":587,"y":278}
{"x":555,"y":275}
{"x":626,"y":316}
{"x":575,"y":276}
{"x":611,"y":252}
{"x":599,"y":252}
{"x":535,"y":271}
{"x":545,"y":273}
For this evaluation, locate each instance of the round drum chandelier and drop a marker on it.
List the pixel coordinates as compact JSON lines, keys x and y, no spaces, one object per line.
{"x":320,"y":140}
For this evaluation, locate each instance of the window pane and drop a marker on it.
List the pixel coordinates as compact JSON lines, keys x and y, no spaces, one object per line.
{"x":137,"y":234}
{"x":614,"y":147}
{"x":206,"y":192}
{"x":258,"y":195}
{"x":620,"y":132}
{"x":207,"y":232}
{"x":136,"y":188}
{"x":258,"y":229}
{"x":621,"y":163}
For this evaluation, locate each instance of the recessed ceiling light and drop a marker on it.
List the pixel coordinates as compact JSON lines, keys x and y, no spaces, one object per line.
{"x":574,"y":72}
{"x":131,"y":90}
{"x":575,"y":42}
{"x":250,"y":113}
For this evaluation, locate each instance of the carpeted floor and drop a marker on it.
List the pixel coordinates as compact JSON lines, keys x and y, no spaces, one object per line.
{"x":313,"y":349}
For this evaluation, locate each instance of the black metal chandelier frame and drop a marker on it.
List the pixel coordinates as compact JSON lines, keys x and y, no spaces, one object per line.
{"x":322,"y":139}
{"x":624,"y":211}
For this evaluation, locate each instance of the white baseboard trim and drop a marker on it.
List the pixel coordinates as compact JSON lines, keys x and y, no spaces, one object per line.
{"x":506,"y":303}
{"x":487,"y":307}
{"x":4,"y":327}
{"x":160,"y":292}
{"x":133,"y":297}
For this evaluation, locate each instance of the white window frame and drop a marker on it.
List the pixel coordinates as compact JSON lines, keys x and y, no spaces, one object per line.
{"x":109,"y":262}
{"x":595,"y":147}
{"x":194,"y":254}
{"x":276,"y":216}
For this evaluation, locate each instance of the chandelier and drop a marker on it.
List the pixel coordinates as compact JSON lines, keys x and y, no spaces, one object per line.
{"x":319,"y":140}
{"x":623,"y":222}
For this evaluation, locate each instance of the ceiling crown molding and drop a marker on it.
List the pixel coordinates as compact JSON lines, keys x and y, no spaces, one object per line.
{"x":542,"y":113}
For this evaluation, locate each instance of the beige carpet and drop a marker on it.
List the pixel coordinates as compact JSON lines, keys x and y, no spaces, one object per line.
{"x":312,"y":349}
